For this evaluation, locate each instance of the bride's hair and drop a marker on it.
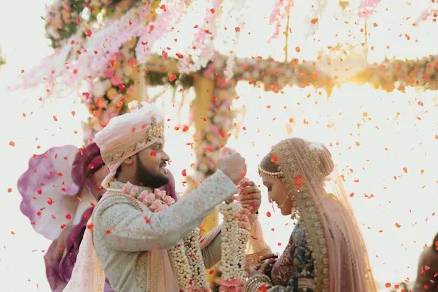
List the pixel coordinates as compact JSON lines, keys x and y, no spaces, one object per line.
{"x":325,"y":163}
{"x":435,"y":243}
{"x":267,"y":163}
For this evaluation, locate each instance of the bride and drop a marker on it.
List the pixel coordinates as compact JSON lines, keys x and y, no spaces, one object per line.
{"x":326,"y":251}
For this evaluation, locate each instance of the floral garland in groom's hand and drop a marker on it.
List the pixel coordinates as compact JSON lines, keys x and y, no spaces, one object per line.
{"x":249,"y":196}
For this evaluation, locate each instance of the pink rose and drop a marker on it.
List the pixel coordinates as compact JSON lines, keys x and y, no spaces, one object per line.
{"x":169,"y":200}
{"x":157,"y":206}
{"x":147,"y":197}
{"x":134,"y":190}
{"x":160,"y":193}
{"x":126,"y":189}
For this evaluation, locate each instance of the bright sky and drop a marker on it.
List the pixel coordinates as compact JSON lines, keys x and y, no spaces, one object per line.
{"x":373,"y":133}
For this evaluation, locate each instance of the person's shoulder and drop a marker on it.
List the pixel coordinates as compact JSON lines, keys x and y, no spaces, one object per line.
{"x":112,"y":198}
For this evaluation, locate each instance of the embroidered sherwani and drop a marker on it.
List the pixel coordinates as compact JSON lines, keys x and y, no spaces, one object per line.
{"x":131,"y":241}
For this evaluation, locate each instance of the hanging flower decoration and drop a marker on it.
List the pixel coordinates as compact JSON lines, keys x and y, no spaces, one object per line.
{"x":218,"y":123}
{"x":397,"y":74}
{"x":277,"y":16}
{"x":202,"y":45}
{"x":367,"y":7}
{"x":168,"y":18}
{"x":66,"y":17}
{"x":109,"y":94}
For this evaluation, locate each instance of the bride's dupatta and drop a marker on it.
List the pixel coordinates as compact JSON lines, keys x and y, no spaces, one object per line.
{"x":340,"y":256}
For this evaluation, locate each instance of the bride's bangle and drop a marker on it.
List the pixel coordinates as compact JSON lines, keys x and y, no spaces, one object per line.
{"x":257,"y":281}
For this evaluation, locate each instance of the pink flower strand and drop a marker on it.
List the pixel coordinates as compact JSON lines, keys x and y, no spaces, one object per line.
{"x":158,"y":28}
{"x":276,"y":17}
{"x":203,"y":40}
{"x":367,"y":7}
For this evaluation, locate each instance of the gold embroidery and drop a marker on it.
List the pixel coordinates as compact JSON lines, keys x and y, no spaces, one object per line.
{"x":138,"y":139}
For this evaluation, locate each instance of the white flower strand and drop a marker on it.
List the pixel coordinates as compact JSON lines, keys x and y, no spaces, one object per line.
{"x":180,"y":264}
{"x":195,"y":259}
{"x":233,"y":246}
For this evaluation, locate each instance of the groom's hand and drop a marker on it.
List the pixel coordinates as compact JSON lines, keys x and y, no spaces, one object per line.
{"x":233,"y":165}
{"x":249,"y":196}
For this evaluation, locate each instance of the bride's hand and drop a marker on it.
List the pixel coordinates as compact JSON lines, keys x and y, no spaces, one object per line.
{"x":249,"y":195}
{"x":264,"y":268}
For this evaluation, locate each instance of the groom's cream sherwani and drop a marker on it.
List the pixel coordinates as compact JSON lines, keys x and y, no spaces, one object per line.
{"x":131,"y":241}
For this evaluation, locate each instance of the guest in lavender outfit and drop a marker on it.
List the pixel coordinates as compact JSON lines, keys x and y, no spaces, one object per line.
{"x":59,"y":191}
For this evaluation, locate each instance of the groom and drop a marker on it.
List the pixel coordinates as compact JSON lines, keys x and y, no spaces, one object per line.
{"x":131,"y":241}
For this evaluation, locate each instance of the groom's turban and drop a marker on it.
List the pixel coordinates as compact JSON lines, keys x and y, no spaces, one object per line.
{"x":128,"y":134}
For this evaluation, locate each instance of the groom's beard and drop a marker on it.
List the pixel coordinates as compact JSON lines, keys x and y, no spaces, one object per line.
{"x":149,"y":179}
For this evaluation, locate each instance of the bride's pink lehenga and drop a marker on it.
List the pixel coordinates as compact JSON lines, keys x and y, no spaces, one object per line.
{"x":326,"y":251}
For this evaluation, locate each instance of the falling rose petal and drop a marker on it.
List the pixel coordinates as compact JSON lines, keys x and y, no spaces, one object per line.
{"x":397,"y":225}
{"x":264,"y":288}
{"x":274,"y":159}
{"x":62,"y":226}
{"x":86,"y":95}
{"x":12,"y":143}
{"x":185,"y":128}
{"x":298,"y":181}
{"x":108,"y":232}
{"x":388,"y":285}
{"x":73,"y":113}
{"x":9,"y":190}
{"x":237,"y":29}
{"x":68,"y":216}
{"x":90,"y":226}
{"x":405,"y":169}
{"x":171,"y":77}
{"x":268,"y":214}
{"x":50,"y":201}
{"x":314,"y":20}
{"x":55,"y":118}
{"x":184,"y":172}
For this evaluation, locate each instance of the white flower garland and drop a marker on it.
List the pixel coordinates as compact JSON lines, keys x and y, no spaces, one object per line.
{"x":180,"y":263}
{"x":233,"y":247}
{"x":196,"y":262}
{"x":185,"y":256}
